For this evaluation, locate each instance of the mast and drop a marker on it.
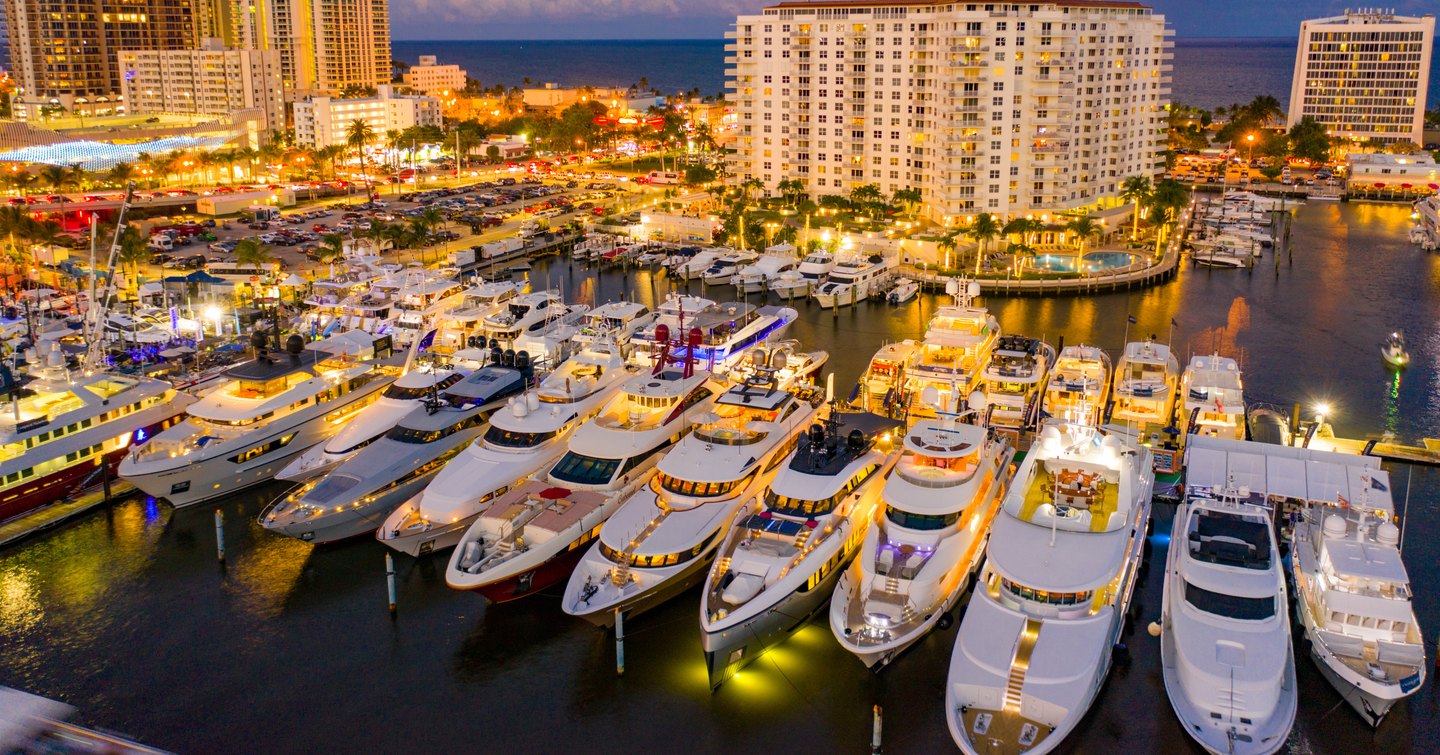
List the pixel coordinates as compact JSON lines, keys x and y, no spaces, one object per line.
{"x":94,"y":329}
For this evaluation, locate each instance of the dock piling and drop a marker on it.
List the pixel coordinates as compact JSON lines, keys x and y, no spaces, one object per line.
{"x":875,"y":732}
{"x":219,"y":536}
{"x":390,"y":580}
{"x":619,"y":642}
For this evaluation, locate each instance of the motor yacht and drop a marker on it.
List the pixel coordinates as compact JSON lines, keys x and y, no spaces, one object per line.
{"x":528,"y":436}
{"x":1143,"y":395}
{"x":423,"y":296}
{"x":1353,"y":600}
{"x":725,"y":332}
{"x":459,"y":327}
{"x":755,"y":278}
{"x":260,"y":415}
{"x":676,"y":313}
{"x":1079,"y":385}
{"x":1014,"y":380}
{"x":937,"y":505}
{"x":854,"y":279}
{"x":520,"y":315}
{"x":879,"y":389}
{"x":1050,"y":606}
{"x":355,"y":497}
{"x":904,"y":290}
{"x":1224,"y":635}
{"x":615,"y":322}
{"x":65,"y":429}
{"x":1214,"y":400}
{"x":957,"y":346}
{"x":662,"y":538}
{"x":809,"y":275}
{"x":724,"y":268}
{"x":514,"y":548}
{"x":696,"y":264}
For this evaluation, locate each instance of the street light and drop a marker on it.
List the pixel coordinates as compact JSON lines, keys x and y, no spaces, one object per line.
{"x":1250,"y":157}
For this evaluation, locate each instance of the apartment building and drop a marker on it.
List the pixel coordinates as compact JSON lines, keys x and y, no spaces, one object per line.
{"x":322,"y":121}
{"x":1001,"y":108}
{"x":1364,"y":75}
{"x":324,"y":45}
{"x":213,"y":80}
{"x":429,"y":77}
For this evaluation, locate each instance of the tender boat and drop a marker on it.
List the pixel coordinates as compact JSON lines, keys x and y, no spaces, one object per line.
{"x":854,"y":279}
{"x":794,"y":366}
{"x":957,"y":345}
{"x":1225,"y":637}
{"x":1014,"y":380}
{"x":755,"y":278}
{"x":937,"y":505}
{"x":1079,"y":385}
{"x":696,"y":264}
{"x":1353,"y":600}
{"x":904,"y":290}
{"x":724,"y":268}
{"x":67,"y":428}
{"x":1214,"y":398}
{"x":1394,"y":353}
{"x":662,"y":538}
{"x":1043,"y":621}
{"x":261,"y":415}
{"x":529,"y":436}
{"x":813,"y":271}
{"x":355,"y":497}
{"x":1144,"y":392}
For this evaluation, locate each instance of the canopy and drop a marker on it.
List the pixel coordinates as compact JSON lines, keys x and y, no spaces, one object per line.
{"x":199,"y":276}
{"x":293,"y":280}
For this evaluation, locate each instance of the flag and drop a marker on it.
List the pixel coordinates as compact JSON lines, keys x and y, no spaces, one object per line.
{"x":1132,"y":319}
{"x":1374,"y":482}
{"x":1344,"y":504}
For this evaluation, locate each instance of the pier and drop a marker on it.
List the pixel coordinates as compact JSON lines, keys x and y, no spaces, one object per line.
{"x":35,"y":522}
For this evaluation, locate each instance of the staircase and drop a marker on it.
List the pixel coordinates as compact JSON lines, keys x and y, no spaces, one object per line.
{"x":1021,"y":664}
{"x":620,"y":575}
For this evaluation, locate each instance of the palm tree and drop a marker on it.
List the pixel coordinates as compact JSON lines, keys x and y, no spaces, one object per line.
{"x":908,"y":198}
{"x":56,"y":176}
{"x":1084,"y":228}
{"x":379,"y":232}
{"x":982,"y":230}
{"x":1264,"y":109}
{"x":1135,"y":189}
{"x":866,"y":195}
{"x":132,"y":252}
{"x":250,"y":251}
{"x":1166,"y":201}
{"x":1023,"y":227}
{"x":330,"y":250}
{"x":358,"y":135}
{"x":247,"y":156}
{"x":120,"y":174}
{"x":751,"y":187}
{"x":947,"y":244}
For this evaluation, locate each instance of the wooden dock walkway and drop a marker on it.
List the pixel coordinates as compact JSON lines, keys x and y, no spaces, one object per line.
{"x":21,"y":527}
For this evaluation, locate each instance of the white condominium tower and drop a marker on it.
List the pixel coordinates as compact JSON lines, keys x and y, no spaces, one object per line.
{"x":324,"y":45}
{"x":1364,"y":75}
{"x":992,"y":107}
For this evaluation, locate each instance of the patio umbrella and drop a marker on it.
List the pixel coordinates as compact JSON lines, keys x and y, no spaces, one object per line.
{"x":293,"y":280}
{"x":176,"y":351}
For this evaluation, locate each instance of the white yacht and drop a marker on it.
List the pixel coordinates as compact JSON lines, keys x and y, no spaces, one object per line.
{"x":423,"y":296}
{"x":676,"y":314}
{"x":723,"y":331}
{"x":1144,"y":391}
{"x":791,"y":367}
{"x":938,"y":503}
{"x":1214,"y":398}
{"x":879,"y":389}
{"x":355,"y":497}
{"x":520,"y":441}
{"x":262,"y":414}
{"x":854,"y":279}
{"x":1014,"y":382}
{"x":1353,"y":601}
{"x":1040,"y":631}
{"x":957,"y":346}
{"x":1225,"y":637}
{"x":755,"y":278}
{"x":520,"y":315}
{"x":615,"y":322}
{"x":531,"y":537}
{"x":695,"y":266}
{"x":663,"y":536}
{"x":812,"y":271}
{"x":780,"y":561}
{"x":1079,"y":385}
{"x":408,"y":393}
{"x":553,"y":341}
{"x":724,"y":268}
{"x":66,"y":428}
{"x":459,"y":327}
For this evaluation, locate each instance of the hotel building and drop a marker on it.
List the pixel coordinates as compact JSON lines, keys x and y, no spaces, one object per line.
{"x":210,"y":81}
{"x":1010,"y":109}
{"x":324,"y":45}
{"x":429,"y":77}
{"x":323,"y":121}
{"x":1364,"y":75}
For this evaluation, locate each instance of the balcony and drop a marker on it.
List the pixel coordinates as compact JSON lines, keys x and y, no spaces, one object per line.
{"x":1052,"y":147}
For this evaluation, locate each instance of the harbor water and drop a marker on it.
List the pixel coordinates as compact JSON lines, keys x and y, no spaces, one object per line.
{"x":288,"y":647}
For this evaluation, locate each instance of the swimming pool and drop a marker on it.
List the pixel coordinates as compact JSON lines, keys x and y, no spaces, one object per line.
{"x":1093,"y":261}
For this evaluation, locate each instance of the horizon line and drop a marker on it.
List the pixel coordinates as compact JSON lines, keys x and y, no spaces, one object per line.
{"x":721,"y":39}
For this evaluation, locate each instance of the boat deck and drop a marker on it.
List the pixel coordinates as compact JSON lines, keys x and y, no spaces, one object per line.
{"x":550,"y":509}
{"x":1072,"y":492}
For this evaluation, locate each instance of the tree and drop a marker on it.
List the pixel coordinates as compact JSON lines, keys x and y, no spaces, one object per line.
{"x":697,"y":175}
{"x":751,"y":187}
{"x":1166,"y":201}
{"x":834,"y":202}
{"x":1264,"y":109}
{"x":1023,"y":227}
{"x":57,"y":177}
{"x":331,"y":250}
{"x":132,"y":251}
{"x":982,"y":231}
{"x":908,"y":198}
{"x":1403,"y":147}
{"x":1309,"y":141}
{"x":120,"y":174}
{"x":791,"y":189}
{"x":1084,"y":229}
{"x":358,"y":135}
{"x":866,"y":195}
{"x":1135,"y":189}
{"x":492,"y":153}
{"x":249,"y":251}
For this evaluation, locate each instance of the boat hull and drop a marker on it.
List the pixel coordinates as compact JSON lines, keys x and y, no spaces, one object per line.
{"x":634,"y":604}
{"x":754,"y":636}
{"x":552,"y":572}
{"x":1368,"y":705}
{"x":351,"y":522}
{"x":430,"y":541}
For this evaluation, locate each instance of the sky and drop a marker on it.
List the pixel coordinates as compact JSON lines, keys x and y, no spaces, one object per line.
{"x":708,"y":19}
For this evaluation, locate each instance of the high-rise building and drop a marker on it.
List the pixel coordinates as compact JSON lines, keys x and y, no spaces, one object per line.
{"x":1364,"y":75}
{"x":323,"y":121}
{"x":429,"y":77}
{"x":324,"y":45}
{"x":64,"y":50}
{"x":999,"y":108}
{"x":213,"y":80}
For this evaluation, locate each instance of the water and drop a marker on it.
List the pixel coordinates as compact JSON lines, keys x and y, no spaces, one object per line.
{"x":289,"y":648}
{"x":1208,"y":72}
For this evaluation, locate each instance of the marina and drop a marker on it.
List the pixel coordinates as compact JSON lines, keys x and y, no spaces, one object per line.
{"x":116,"y":584}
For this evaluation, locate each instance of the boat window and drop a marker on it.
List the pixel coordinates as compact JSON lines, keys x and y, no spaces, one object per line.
{"x":401,"y":393}
{"x":679,"y":486}
{"x":584,"y":470}
{"x":920,"y":521}
{"x":413,"y":435}
{"x":1045,"y":596}
{"x":1229,"y":606}
{"x":361,"y":444}
{"x":799,"y":507}
{"x":509,"y":439}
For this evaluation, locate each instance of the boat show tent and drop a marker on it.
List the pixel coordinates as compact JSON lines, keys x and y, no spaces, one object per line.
{"x":1284,"y":472}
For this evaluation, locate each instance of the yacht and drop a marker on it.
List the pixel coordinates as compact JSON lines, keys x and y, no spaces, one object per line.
{"x":755,"y":278}
{"x":854,"y":279}
{"x":402,"y":397}
{"x":531,"y":537}
{"x":520,"y":315}
{"x":1353,"y":602}
{"x":1079,"y":385}
{"x":904,"y":290}
{"x":614,"y":322}
{"x":1214,"y":399}
{"x":355,"y":497}
{"x":1144,"y":391}
{"x":662,"y":538}
{"x":779,"y":563}
{"x":423,"y":296}
{"x":792,"y":366}
{"x":459,"y":327}
{"x":1040,"y":631}
{"x":937,"y":505}
{"x":957,"y":345}
{"x":812,"y":271}
{"x":1221,"y":257}
{"x":520,"y":441}
{"x":724,"y":331}
{"x":67,"y":428}
{"x":696,"y":264}
{"x":553,"y":341}
{"x":1014,"y":380}
{"x":260,"y":415}
{"x":1224,"y":635}
{"x":878,"y":390}
{"x":676,"y":313}
{"x":724,"y":268}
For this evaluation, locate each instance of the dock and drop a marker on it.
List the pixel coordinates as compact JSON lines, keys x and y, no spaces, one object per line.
{"x":21,"y":527}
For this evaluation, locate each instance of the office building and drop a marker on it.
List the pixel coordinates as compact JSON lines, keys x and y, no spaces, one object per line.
{"x":1007,"y":109}
{"x":213,"y":80}
{"x":324,"y":45}
{"x":429,"y":77}
{"x":322,"y":121}
{"x":1364,"y":75}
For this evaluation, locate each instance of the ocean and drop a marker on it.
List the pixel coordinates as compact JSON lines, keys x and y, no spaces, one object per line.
{"x":1208,"y":72}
